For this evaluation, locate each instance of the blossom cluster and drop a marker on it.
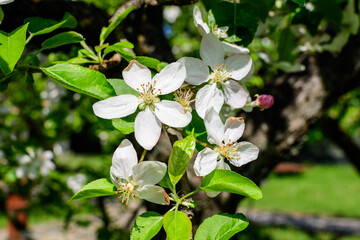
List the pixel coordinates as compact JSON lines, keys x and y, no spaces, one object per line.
{"x":215,"y":79}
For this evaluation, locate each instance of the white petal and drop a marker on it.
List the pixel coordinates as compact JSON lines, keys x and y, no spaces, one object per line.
{"x":230,"y":48}
{"x":147,"y":129}
{"x":136,"y":74}
{"x":205,"y":162}
{"x":234,"y":93}
{"x":123,"y":160}
{"x":203,"y":28}
{"x":170,"y":78}
{"x":240,"y":65}
{"x":172,"y":113}
{"x":154,"y":194}
{"x":148,"y":172}
{"x":211,"y":50}
{"x":222,"y":165}
{"x":116,"y":107}
{"x":247,"y":153}
{"x":208,"y":96}
{"x":214,"y":127}
{"x":197,"y":71}
{"x":5,"y":1}
{"x":234,"y":129}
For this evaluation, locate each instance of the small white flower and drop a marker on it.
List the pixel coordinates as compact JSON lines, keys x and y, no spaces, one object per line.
{"x":220,"y":32}
{"x":225,"y":138}
{"x":153,"y":111}
{"x":135,"y":180}
{"x":237,"y":67}
{"x":2,"y":2}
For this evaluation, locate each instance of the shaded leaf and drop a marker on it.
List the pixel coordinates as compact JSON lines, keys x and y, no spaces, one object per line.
{"x":62,"y":39}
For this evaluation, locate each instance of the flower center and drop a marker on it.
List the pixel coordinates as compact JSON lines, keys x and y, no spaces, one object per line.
{"x":229,"y":150}
{"x":149,"y":95}
{"x":220,"y":32}
{"x":220,"y":74}
{"x":184,"y":98}
{"x":126,"y":191}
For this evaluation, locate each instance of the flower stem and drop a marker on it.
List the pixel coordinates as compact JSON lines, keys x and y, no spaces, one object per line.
{"x":143,"y":155}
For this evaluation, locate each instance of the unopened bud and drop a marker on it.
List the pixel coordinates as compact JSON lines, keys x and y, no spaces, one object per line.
{"x":265,"y":101}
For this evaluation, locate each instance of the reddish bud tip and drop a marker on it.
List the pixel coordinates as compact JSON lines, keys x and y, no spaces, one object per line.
{"x":265,"y":101}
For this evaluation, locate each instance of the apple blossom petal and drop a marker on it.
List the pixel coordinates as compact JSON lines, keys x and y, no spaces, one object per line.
{"x":123,"y":161}
{"x":136,"y":74}
{"x":230,"y":48}
{"x":222,"y":165}
{"x":116,"y":107}
{"x":172,"y":113}
{"x":197,"y":72}
{"x":247,"y":153}
{"x":214,"y":127}
{"x":147,"y":129}
{"x":148,"y":172}
{"x":2,"y":2}
{"x":211,"y":50}
{"x":240,"y":64}
{"x":170,"y":78}
{"x":154,"y":194}
{"x":208,"y":96}
{"x":234,"y":129}
{"x":202,"y":27}
{"x":235,"y":95}
{"x":205,"y":162}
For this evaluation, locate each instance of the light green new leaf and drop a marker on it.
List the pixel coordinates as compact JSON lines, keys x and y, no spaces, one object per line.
{"x":180,"y":157}
{"x":146,"y":226}
{"x":118,"y":47}
{"x":149,"y":62}
{"x":62,"y":39}
{"x":121,"y":87}
{"x":221,"y":226}
{"x":126,"y":124}
{"x":1,"y":15}
{"x":221,"y":180}
{"x":105,"y":31}
{"x":38,"y":25}
{"x":97,"y":188}
{"x":177,"y":225}
{"x":11,"y":47}
{"x":80,"y":79}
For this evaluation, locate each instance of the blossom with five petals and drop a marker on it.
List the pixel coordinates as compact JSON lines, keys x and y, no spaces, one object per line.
{"x":220,"y":32}
{"x":236,"y":67}
{"x":225,"y":138}
{"x":137,"y":180}
{"x":153,"y":111}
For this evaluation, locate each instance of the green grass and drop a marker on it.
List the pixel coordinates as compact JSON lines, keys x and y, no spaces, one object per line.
{"x":323,"y":189}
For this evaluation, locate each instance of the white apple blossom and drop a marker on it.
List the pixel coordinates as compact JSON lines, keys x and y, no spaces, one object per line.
{"x":2,"y":2}
{"x":153,"y":111}
{"x":137,"y":180}
{"x":225,"y":138}
{"x":236,"y":67}
{"x":35,"y":164}
{"x":220,"y":32}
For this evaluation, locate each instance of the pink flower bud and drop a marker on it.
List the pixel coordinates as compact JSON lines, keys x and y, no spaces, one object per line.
{"x":265,"y":101}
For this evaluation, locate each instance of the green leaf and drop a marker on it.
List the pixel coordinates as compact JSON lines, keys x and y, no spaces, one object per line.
{"x":81,"y":80}
{"x":148,"y":61}
{"x":177,"y":225}
{"x":105,"y":31}
{"x":146,"y":226}
{"x":244,"y":25}
{"x":299,"y":2}
{"x":101,"y":47}
{"x":262,"y":7}
{"x":288,"y":67}
{"x":221,"y":180}
{"x":197,"y":125}
{"x":221,"y":226}
{"x":128,"y":56}
{"x":161,"y":65}
{"x":121,"y":87}
{"x":180,"y":157}
{"x":38,"y":25}
{"x":166,"y":182}
{"x":1,"y":15}
{"x":97,"y":188}
{"x":126,"y":124}
{"x":11,"y":47}
{"x":62,"y":39}
{"x":286,"y":46}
